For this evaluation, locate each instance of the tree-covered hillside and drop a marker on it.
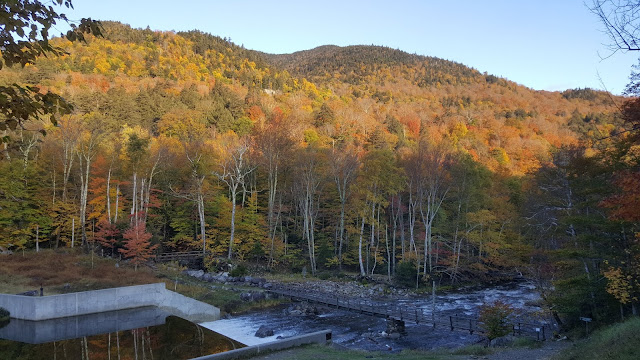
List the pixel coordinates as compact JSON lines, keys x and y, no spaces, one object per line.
{"x":362,"y":158}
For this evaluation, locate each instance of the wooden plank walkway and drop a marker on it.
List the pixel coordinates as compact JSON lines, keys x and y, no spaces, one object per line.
{"x":175,"y":256}
{"x":405,"y":313}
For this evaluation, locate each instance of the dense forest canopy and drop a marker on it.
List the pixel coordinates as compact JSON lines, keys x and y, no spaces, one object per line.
{"x":359,"y":158}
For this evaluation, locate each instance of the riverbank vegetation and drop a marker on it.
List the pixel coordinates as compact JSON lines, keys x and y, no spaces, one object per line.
{"x":65,"y":271}
{"x":362,"y":159}
{"x":4,"y":315}
{"x":76,"y":271}
{"x":619,"y":342}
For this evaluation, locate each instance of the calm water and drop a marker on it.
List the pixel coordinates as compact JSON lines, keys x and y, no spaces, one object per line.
{"x":147,"y":333}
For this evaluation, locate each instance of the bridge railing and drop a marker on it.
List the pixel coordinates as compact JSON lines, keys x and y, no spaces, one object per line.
{"x":517,"y":328}
{"x":182,"y":255}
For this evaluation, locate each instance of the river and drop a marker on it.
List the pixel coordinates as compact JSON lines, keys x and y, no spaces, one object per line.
{"x":357,"y":331}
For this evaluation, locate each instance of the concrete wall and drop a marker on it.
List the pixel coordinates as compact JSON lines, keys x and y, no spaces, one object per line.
{"x":89,"y":302}
{"x":320,"y":337}
{"x":44,"y":331}
{"x":188,"y":308}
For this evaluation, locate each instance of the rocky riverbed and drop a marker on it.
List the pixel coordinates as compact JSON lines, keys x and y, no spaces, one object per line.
{"x":359,"y":331}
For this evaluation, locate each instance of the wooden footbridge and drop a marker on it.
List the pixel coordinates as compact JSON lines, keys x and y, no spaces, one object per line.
{"x":400,"y":314}
{"x":180,"y":256}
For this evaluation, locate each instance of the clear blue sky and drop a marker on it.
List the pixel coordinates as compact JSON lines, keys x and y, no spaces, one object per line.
{"x":542,"y":44}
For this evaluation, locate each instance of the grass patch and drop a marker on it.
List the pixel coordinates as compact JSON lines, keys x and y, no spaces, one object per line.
{"x":526,"y":342}
{"x":328,"y":352}
{"x":53,"y":269}
{"x":475,"y":350}
{"x":70,"y":270}
{"x":619,"y":342}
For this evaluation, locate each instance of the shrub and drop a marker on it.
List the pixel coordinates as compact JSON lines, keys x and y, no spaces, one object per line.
{"x":494,"y":319}
{"x":239,"y":270}
{"x":4,"y":314}
{"x":406,"y":273}
{"x":324,"y":276}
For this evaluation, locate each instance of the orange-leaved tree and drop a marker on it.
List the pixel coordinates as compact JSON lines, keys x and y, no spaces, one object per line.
{"x":624,"y":274}
{"x":107,"y":236}
{"x":137,"y":245}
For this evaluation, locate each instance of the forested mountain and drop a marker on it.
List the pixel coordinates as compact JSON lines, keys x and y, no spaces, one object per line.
{"x":356,"y":64}
{"x":362,"y":158}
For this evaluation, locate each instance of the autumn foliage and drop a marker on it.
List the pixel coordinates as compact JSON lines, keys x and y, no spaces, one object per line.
{"x":362,"y":158}
{"x":626,"y":204}
{"x":137,"y":246}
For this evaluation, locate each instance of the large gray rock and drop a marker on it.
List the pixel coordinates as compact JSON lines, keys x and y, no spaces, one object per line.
{"x":264,"y":332}
{"x":198,"y":274}
{"x":303,"y":308}
{"x":252,"y":296}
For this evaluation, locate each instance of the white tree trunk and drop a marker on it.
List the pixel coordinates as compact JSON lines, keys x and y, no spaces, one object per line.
{"x":362,"y":271}
{"x":234,"y":192}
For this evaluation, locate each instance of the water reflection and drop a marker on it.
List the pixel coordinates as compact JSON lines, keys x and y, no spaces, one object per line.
{"x":147,"y":333}
{"x":38,"y":332}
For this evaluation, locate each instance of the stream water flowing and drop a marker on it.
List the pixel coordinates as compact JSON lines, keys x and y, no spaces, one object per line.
{"x":357,"y":331}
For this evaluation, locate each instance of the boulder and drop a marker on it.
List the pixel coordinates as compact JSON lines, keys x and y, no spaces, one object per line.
{"x":264,"y":331}
{"x":257,"y":296}
{"x":198,"y":274}
{"x":395,"y":326}
{"x":207,"y":277}
{"x":302,"y":309}
{"x":252,"y":296}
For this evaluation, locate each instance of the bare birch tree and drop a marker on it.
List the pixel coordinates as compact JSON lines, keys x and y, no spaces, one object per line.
{"x":435,"y":187}
{"x":87,"y":149}
{"x":234,"y":170}
{"x":273,"y":143}
{"x":344,"y":167}
{"x":307,"y":182}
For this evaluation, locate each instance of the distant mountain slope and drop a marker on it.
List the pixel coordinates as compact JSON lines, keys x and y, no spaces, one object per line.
{"x":372,"y":95}
{"x":354,"y":64}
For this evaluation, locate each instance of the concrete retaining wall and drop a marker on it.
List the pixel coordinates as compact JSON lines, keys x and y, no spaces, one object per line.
{"x":89,"y":302}
{"x":73,"y":327}
{"x":188,"y":308}
{"x":319,"y":337}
